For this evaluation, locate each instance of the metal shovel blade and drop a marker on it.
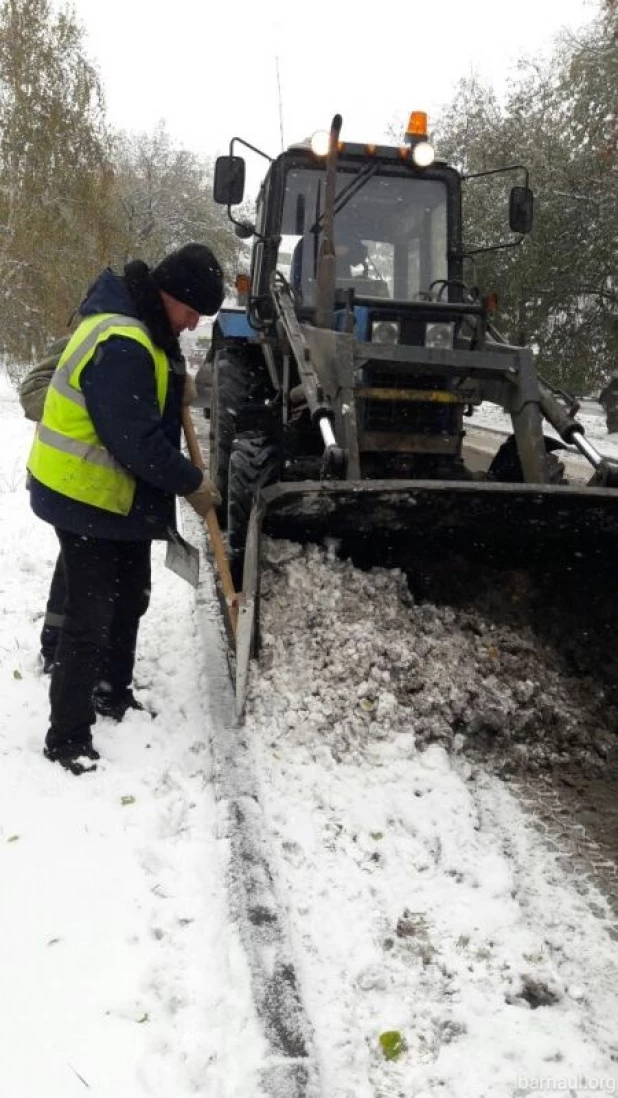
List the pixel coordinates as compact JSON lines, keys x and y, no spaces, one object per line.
{"x":182,"y":558}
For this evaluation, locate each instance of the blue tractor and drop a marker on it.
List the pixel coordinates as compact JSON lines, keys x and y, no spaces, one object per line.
{"x":340,"y":390}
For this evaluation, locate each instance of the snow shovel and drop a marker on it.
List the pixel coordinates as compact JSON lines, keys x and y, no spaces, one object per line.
{"x":214,"y":531}
{"x":182,"y":558}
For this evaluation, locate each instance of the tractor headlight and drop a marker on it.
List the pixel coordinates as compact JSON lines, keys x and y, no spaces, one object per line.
{"x":423,"y":154}
{"x":385,"y":331}
{"x":320,"y":142}
{"x":439,"y":336}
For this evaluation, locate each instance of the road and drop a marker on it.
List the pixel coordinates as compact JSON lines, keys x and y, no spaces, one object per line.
{"x":582,"y":811}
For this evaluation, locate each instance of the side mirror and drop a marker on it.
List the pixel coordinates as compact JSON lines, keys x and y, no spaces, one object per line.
{"x":521,"y":209}
{"x":229,"y":182}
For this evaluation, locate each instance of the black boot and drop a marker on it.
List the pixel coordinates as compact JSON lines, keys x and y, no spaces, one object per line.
{"x":108,"y":703}
{"x":78,"y":756}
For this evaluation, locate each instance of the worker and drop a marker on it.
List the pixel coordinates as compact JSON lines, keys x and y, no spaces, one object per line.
{"x":32,"y":393}
{"x":104,"y":470}
{"x":351,"y":254}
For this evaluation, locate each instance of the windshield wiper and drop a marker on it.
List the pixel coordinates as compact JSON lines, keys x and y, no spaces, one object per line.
{"x":346,"y":193}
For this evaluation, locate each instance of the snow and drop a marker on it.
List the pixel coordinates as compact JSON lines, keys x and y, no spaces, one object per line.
{"x":420,"y":897}
{"x":415,"y":885}
{"x":119,"y":964}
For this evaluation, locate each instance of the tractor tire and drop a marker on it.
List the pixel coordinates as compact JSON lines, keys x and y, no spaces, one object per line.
{"x":505,"y":465}
{"x":232,"y":383}
{"x":255,"y":461}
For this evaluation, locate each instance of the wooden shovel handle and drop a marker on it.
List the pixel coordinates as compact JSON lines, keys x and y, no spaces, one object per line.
{"x":212,"y":523}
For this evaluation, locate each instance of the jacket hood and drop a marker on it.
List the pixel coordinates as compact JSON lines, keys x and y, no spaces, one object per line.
{"x":134,"y":294}
{"x":108,"y":294}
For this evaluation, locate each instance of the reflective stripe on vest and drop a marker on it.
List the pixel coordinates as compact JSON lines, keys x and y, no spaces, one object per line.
{"x":67,"y":454}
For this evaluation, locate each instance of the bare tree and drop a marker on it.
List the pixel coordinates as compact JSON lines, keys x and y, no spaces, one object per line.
{"x":163,"y":198}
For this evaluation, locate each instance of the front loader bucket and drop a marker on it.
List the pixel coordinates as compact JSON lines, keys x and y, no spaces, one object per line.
{"x":427,"y":526}
{"x":516,"y":523}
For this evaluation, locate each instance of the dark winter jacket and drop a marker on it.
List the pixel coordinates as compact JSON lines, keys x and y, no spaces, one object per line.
{"x":119,"y":390}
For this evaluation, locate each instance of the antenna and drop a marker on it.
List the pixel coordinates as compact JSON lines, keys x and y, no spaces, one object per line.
{"x":280,"y":102}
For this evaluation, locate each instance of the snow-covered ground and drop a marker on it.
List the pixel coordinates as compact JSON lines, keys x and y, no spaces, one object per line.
{"x":119,"y":968}
{"x":421,"y":901}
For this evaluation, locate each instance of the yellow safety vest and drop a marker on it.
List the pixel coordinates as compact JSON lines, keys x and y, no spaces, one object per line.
{"x":67,"y":454}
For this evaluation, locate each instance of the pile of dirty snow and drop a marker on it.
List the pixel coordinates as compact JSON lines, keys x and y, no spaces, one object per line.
{"x":351,"y":657}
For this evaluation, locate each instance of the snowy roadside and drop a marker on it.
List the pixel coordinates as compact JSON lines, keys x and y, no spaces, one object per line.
{"x":120,"y":969}
{"x":420,"y":899}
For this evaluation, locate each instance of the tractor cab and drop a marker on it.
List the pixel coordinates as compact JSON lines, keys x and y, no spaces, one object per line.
{"x":391,"y":229}
{"x":393,"y":220}
{"x":395,"y":227}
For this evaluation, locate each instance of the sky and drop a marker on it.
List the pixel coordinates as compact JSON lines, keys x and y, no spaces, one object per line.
{"x":420,"y":898}
{"x":213,"y":72}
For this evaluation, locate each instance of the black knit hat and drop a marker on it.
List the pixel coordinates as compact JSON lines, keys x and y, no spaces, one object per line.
{"x":192,"y":275}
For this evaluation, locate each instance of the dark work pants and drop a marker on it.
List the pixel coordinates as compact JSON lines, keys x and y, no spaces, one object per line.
{"x":107,"y":591}
{"x":54,"y":612}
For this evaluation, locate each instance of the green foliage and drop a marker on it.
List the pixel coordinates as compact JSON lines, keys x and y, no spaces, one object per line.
{"x":392,"y":1044}
{"x":557,"y":292}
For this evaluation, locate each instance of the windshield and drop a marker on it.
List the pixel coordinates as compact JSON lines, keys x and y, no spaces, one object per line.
{"x":390,"y":233}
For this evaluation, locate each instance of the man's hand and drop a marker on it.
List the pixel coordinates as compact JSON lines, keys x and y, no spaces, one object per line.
{"x":189,"y":392}
{"x":204,"y":498}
